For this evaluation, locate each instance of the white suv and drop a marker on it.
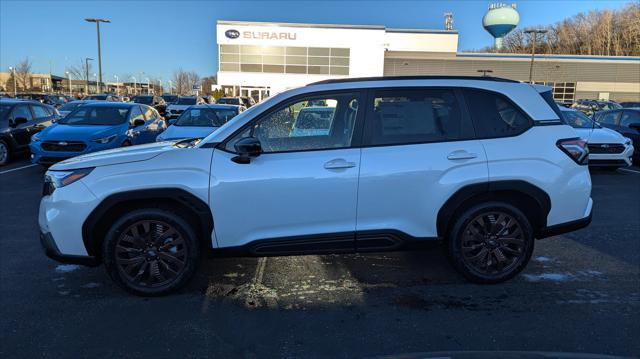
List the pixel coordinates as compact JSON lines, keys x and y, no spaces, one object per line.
{"x":484,"y":164}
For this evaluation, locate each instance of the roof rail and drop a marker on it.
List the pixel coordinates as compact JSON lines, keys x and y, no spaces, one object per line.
{"x":421,"y":77}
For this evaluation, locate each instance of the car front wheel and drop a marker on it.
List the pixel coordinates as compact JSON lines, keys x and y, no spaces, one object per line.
{"x":491,"y":242}
{"x":151,"y":252}
{"x":5,"y":153}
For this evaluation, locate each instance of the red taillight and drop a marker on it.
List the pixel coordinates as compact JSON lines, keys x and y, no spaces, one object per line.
{"x":576,"y":148}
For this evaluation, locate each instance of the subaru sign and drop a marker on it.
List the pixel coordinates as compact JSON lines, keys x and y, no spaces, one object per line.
{"x":232,"y":34}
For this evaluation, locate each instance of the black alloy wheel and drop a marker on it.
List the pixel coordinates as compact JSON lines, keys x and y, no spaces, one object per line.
{"x":491,"y":243}
{"x":151,"y":251}
{"x":150,"y":254}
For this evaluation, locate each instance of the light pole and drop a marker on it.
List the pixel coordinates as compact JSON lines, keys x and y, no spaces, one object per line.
{"x":98,"y":21}
{"x":86,"y":69}
{"x":15,"y":83}
{"x":117,"y":85}
{"x":534,"y":33}
{"x":69,"y":79}
{"x":135,"y":85}
{"x":147,"y":85}
{"x":170,"y":87}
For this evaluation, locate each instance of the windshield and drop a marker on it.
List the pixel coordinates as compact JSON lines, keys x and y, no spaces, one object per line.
{"x":228,"y":101}
{"x":90,"y":115}
{"x":170,"y":98}
{"x":577,"y":119}
{"x":609,"y":106}
{"x":186,"y":101}
{"x":145,"y":100}
{"x":70,"y":106}
{"x":205,"y":117}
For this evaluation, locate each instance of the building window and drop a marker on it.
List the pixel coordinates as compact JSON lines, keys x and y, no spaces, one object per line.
{"x":281,"y":59}
{"x":562,"y":91}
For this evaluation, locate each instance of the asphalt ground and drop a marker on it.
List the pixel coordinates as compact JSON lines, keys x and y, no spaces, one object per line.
{"x":580,"y":293}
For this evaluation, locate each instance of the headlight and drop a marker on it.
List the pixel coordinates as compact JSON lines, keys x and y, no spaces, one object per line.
{"x":64,"y":178}
{"x":35,"y":138}
{"x":105,"y":139}
{"x":627,"y":141}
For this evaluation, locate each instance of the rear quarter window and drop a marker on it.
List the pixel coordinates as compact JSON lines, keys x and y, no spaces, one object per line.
{"x":494,"y":115}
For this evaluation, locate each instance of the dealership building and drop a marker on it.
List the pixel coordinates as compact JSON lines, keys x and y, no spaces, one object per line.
{"x":259,"y":59}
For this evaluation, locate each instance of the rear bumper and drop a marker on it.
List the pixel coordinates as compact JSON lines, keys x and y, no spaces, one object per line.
{"x":52,"y":251}
{"x":566,"y":227}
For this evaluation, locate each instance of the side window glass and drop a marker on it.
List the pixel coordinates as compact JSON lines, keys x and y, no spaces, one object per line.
{"x":629,"y":117}
{"x":609,"y":118}
{"x":22,"y":112}
{"x":311,"y":124}
{"x":136,"y":114}
{"x":149,"y":114}
{"x":40,"y":113}
{"x":416,"y":116}
{"x":494,"y":116}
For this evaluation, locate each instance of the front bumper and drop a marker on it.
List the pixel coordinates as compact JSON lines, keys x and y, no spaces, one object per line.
{"x":52,"y":251}
{"x":623,"y":159}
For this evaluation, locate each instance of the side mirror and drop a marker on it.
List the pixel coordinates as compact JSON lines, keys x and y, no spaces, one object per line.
{"x":138,"y":122}
{"x":246,"y":148}
{"x":635,"y":126}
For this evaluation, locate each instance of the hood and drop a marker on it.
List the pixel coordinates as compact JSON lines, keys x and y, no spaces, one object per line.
{"x":177,"y":132}
{"x":115,"y":156}
{"x":60,"y":132}
{"x":600,"y":135}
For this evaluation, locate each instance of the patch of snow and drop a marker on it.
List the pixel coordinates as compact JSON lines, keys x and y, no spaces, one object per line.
{"x":552,"y":277}
{"x":91,"y":285}
{"x":542,"y":259}
{"x":66,"y":268}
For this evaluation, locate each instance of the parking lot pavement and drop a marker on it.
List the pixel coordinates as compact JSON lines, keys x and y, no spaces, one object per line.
{"x":580,"y":293}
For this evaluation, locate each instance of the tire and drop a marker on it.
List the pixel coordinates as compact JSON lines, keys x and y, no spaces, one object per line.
{"x":140,"y":266}
{"x":5,"y":153}
{"x":490,"y":254}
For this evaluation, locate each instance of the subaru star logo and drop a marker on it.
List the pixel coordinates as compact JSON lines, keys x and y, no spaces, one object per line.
{"x":62,"y":143}
{"x":232,"y":34}
{"x":605,"y":146}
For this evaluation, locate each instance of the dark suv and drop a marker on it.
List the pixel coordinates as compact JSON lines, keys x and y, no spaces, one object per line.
{"x":625,"y":121}
{"x":19,"y":120}
{"x":156,"y":102}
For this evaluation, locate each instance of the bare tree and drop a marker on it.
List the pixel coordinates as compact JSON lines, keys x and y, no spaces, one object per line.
{"x":180,"y":82}
{"x":183,"y":81}
{"x":80,"y":71}
{"x":23,"y":74}
{"x":207,"y":82}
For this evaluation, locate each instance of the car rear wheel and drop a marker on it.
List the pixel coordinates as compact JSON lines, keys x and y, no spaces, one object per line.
{"x":491,"y":242}
{"x":5,"y":153}
{"x":151,"y":252}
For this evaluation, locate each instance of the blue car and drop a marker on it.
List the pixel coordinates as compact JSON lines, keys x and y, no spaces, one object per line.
{"x":199,"y":121}
{"x":96,"y":126}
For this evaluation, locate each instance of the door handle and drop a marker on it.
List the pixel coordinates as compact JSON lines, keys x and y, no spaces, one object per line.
{"x":338,"y":163}
{"x":461,"y":155}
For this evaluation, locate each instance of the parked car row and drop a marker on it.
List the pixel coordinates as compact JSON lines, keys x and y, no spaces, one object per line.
{"x":87,"y":126}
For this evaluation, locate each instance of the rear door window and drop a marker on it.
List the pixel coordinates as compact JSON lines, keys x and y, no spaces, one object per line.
{"x":410,"y":116}
{"x":494,"y":115}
